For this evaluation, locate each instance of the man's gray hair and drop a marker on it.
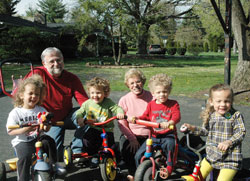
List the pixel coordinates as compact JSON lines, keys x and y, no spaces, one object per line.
{"x":49,"y":50}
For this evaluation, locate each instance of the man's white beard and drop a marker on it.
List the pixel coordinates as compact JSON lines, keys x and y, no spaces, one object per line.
{"x":56,"y":71}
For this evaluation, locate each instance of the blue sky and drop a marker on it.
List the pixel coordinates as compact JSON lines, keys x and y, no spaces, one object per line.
{"x":23,"y":5}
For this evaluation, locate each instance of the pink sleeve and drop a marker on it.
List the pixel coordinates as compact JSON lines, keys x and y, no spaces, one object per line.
{"x":123,"y":124}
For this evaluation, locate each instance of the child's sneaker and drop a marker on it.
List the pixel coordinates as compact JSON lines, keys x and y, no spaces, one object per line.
{"x":60,"y":170}
{"x":94,"y":162}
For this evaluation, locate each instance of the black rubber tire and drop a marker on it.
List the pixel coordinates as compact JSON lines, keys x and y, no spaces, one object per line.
{"x":107,"y":169}
{"x":67,"y":156}
{"x":42,"y":176}
{"x":2,"y":172}
{"x":144,"y":171}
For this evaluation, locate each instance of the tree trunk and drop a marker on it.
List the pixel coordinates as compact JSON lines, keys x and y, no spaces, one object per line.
{"x":241,"y":30}
{"x":120,"y":48}
{"x":142,"y":39}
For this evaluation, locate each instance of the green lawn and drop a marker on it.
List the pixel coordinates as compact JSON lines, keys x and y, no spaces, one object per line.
{"x":190,"y":74}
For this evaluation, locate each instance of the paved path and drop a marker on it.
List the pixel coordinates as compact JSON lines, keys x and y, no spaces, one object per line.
{"x":190,"y":110}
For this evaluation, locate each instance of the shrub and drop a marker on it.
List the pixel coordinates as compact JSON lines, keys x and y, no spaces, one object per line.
{"x":171,"y":48}
{"x":194,"y":49}
{"x":215,"y":46}
{"x":205,"y":47}
{"x":180,"y":50}
{"x":26,"y":42}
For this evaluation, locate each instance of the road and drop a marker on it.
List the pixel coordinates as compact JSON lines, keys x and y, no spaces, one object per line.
{"x":190,"y":110}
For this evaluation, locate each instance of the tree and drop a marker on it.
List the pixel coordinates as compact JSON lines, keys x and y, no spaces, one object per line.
{"x":210,"y":22}
{"x":191,"y":30}
{"x":8,"y":7}
{"x":146,"y":13}
{"x":31,"y":12}
{"x":100,"y":15}
{"x":241,"y":30}
{"x":54,"y":9}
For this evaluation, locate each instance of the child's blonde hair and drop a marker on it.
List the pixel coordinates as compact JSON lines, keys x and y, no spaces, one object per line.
{"x":162,"y":80}
{"x":34,"y":80}
{"x":99,"y":83}
{"x":131,"y":73}
{"x":205,"y":115}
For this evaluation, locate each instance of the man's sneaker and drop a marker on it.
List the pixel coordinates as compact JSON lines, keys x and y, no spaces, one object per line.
{"x":60,"y":170}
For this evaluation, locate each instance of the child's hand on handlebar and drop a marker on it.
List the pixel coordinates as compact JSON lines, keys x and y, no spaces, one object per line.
{"x":189,"y":126}
{"x":164,"y":125}
{"x":28,"y":129}
{"x":90,"y":122}
{"x":120,"y":116}
{"x":167,"y":124}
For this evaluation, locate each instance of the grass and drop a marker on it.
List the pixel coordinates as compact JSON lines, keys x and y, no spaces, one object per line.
{"x":190,"y":74}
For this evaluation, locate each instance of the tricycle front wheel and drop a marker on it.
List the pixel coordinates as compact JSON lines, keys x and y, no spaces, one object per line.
{"x":144,"y":171}
{"x":42,"y":176}
{"x":107,"y":168}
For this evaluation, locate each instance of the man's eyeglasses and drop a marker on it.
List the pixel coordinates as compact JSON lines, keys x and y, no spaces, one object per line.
{"x":55,"y":61}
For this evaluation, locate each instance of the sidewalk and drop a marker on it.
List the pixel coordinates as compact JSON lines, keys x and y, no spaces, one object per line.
{"x":190,"y":111}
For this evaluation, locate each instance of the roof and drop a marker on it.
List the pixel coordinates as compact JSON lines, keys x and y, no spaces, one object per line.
{"x":16,"y":21}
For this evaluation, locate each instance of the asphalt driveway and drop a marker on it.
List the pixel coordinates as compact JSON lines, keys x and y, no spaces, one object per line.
{"x":190,"y":110}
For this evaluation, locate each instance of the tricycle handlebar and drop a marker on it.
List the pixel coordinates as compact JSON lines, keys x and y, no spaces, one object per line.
{"x":58,"y":123}
{"x":105,"y":122}
{"x":150,"y":124}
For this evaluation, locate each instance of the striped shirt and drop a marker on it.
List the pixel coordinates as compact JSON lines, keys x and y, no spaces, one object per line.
{"x":220,"y":129}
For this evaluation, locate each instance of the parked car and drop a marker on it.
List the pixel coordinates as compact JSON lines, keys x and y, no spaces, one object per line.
{"x":156,"y":49}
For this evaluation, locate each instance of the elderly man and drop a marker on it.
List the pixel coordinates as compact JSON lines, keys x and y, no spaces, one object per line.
{"x":62,"y":86}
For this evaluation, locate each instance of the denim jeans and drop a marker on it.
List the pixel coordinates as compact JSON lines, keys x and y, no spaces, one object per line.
{"x":58,"y":134}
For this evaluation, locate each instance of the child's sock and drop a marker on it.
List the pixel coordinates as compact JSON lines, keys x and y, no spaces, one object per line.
{"x":169,"y":163}
{"x":170,"y":169}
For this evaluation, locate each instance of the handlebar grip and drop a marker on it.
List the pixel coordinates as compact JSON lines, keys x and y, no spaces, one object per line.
{"x":14,"y":126}
{"x":58,"y":123}
{"x":171,"y":127}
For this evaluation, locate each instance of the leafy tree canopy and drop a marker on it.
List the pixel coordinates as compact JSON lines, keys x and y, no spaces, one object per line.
{"x":8,"y":7}
{"x":54,"y":9}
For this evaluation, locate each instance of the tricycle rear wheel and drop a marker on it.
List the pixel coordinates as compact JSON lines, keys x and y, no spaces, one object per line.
{"x":67,"y":157}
